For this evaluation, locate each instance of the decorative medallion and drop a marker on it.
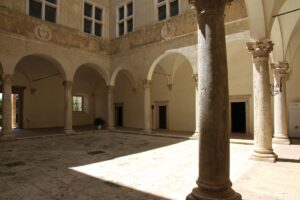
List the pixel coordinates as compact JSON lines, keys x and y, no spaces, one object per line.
{"x":168,"y":31}
{"x":43,"y":32}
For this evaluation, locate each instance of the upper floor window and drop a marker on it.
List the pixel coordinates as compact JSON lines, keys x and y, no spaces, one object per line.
{"x":125,"y":18}
{"x":78,"y":103}
{"x":167,"y":8}
{"x":93,"y":19}
{"x":43,"y":9}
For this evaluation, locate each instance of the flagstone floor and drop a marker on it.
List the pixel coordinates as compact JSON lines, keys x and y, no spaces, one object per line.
{"x":111,"y":166}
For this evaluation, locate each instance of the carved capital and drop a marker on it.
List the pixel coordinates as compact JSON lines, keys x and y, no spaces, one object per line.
{"x":260,"y":48}
{"x":110,"y":88}
{"x":8,"y":79}
{"x":147,"y":83}
{"x":68,"y":85}
{"x":206,"y":6}
{"x":281,"y":69}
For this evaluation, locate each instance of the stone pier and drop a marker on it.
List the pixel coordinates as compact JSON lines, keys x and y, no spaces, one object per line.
{"x":213,"y":182}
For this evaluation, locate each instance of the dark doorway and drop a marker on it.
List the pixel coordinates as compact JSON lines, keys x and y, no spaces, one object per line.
{"x":162,"y":115}
{"x":238,"y":117}
{"x":119,"y":115}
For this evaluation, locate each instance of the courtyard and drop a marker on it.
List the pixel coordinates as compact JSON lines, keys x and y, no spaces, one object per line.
{"x":113,"y":165}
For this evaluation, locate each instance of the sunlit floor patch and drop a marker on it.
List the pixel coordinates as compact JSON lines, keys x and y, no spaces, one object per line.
{"x":169,"y":172}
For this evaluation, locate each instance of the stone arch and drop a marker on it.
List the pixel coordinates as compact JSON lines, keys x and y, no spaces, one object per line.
{"x":128,"y":73}
{"x":45,"y":57}
{"x":164,"y":55}
{"x":102,"y":72}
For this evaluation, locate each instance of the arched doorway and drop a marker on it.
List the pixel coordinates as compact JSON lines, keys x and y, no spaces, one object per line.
{"x":173,"y":91}
{"x":38,"y":92}
{"x":89,"y":96}
{"x":127,"y":99}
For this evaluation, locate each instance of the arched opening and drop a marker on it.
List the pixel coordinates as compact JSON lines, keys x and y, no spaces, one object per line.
{"x":128,"y":100}
{"x":172,"y":93}
{"x":38,"y":93}
{"x":89,"y":96}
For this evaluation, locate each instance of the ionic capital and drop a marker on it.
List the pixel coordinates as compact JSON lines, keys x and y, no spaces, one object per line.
{"x":68,"y":85}
{"x":281,"y":69}
{"x":147,"y":83}
{"x":8,"y":79}
{"x":260,"y":48}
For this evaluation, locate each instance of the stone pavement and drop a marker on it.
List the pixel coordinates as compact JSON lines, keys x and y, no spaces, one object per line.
{"x":109,"y":166}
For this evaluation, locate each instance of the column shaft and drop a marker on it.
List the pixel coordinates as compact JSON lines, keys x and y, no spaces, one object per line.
{"x":262,"y":101}
{"x":147,"y":107}
{"x":281,"y":71}
{"x":68,"y":129}
{"x":7,"y":132}
{"x":110,"y":106}
{"x":213,"y":181}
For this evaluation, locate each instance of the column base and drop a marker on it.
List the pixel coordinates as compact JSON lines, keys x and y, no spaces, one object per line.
{"x":195,"y":136}
{"x":285,"y":141}
{"x":111,"y":128}
{"x":8,"y":137}
{"x":206,"y":194}
{"x":147,"y":131}
{"x":265,"y":156}
{"x":69,"y":131}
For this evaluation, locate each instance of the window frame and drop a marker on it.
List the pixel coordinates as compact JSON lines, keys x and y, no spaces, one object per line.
{"x":44,"y":3}
{"x":125,"y":19}
{"x":82,"y":103}
{"x":93,"y":20}
{"x":168,"y":9}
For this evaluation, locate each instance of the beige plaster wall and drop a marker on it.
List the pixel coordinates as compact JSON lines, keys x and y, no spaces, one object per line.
{"x":133,"y":101}
{"x":293,"y":83}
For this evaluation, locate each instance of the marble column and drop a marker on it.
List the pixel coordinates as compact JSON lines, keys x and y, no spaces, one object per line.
{"x":147,"y":107}
{"x":68,"y":129}
{"x":196,"y":133}
{"x":7,"y":131}
{"x":110,"y":107}
{"x":281,"y":71}
{"x":262,"y":101}
{"x":214,"y":169}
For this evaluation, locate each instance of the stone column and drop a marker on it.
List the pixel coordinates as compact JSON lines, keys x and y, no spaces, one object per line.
{"x":281,"y":71}
{"x":7,"y":131}
{"x":213,"y":181}
{"x":196,"y":134}
{"x":147,"y":107}
{"x":110,"y":107}
{"x":262,"y":101}
{"x":68,"y":129}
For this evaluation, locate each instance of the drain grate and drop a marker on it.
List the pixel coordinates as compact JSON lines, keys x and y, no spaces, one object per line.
{"x":95,"y":152}
{"x":15,"y":164}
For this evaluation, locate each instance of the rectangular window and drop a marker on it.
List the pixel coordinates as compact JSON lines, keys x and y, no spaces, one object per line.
{"x":125,"y":22}
{"x":93,"y":19}
{"x":167,"y":8}
{"x":43,"y":9}
{"x":78,"y":103}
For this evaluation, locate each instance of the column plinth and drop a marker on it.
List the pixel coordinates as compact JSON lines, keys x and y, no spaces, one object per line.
{"x":68,"y":129}
{"x":7,"y":131}
{"x":281,"y":71}
{"x":110,"y":106}
{"x":147,"y":107}
{"x":262,"y":101}
{"x":213,"y":99}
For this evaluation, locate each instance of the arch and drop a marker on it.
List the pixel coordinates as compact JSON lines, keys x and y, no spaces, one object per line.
{"x":45,"y":57}
{"x":102,"y":72}
{"x":164,"y":55}
{"x":128,"y":73}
